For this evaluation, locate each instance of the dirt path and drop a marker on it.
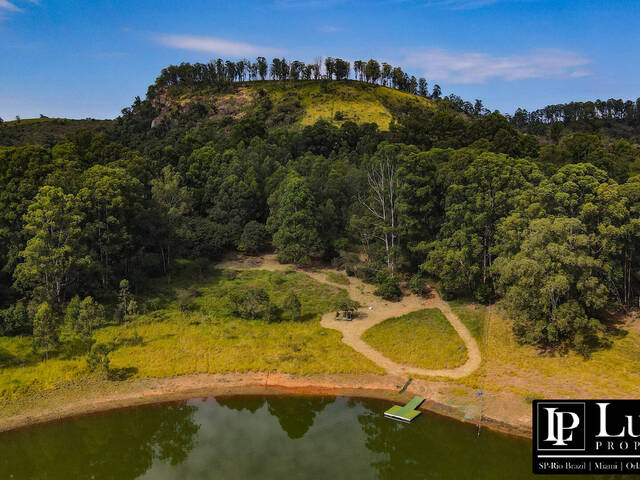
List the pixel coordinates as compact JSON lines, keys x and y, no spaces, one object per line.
{"x":380,"y":310}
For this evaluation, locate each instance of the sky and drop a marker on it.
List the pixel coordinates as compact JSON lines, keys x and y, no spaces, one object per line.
{"x":80,"y":59}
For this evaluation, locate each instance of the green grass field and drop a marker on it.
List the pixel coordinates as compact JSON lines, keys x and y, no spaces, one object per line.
{"x":205,"y":339}
{"x":424,"y":339}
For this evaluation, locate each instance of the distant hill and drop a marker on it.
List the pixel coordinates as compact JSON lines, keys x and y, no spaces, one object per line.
{"x":285,"y":103}
{"x":45,"y":131}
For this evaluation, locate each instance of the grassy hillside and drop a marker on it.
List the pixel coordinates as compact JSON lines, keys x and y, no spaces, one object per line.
{"x":298,"y":103}
{"x":172,"y":339}
{"x":45,"y":131}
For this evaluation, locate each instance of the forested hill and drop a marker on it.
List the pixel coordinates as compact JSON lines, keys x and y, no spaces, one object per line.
{"x":328,"y":169}
{"x":286,"y":103}
{"x":613,"y":118}
{"x":46,"y":131}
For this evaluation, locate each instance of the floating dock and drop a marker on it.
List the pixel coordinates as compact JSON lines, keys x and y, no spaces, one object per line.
{"x":406,"y":413}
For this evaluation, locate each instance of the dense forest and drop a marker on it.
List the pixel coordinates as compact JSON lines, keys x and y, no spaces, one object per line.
{"x":613,"y":117}
{"x":548,"y":224}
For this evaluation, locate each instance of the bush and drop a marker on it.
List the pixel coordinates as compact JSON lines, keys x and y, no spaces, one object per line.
{"x":254,"y":238}
{"x":292,"y":305}
{"x":387,"y":284}
{"x":483,"y":294}
{"x":73,"y":344}
{"x":153,"y":304}
{"x":186,"y":298}
{"x":417,"y":285}
{"x":249,"y":303}
{"x":273,"y":313}
{"x":98,"y":358}
{"x":367,"y":272}
{"x":15,"y":320}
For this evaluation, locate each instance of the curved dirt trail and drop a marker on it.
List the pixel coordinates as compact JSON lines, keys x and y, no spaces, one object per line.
{"x":380,"y":311}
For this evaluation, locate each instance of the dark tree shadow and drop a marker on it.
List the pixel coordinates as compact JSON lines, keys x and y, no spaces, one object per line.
{"x":7,"y":359}
{"x":121,"y":374}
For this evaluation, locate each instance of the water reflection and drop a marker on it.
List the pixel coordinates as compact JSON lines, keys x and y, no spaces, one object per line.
{"x":98,"y":447}
{"x":295,"y":418}
{"x":260,"y":437}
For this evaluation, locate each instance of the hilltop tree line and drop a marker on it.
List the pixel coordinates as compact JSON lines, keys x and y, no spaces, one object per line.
{"x":223,"y":72}
{"x":616,"y":116}
{"x":489,"y":212}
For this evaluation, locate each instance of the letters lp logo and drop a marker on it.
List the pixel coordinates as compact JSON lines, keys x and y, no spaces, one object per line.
{"x":560,"y":425}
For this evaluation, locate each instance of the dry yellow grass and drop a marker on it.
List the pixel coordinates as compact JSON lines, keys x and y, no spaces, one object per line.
{"x":208,"y":339}
{"x":524,"y":370}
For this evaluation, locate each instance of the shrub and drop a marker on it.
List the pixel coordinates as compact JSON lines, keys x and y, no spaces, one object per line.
{"x":254,"y":238}
{"x":186,"y":298}
{"x":73,"y":344}
{"x":483,"y":294}
{"x":367,"y":272}
{"x":252,"y":302}
{"x":273,"y":313}
{"x":387,"y":285}
{"x":417,"y":285}
{"x":98,"y":358}
{"x":83,"y":316}
{"x":292,"y":305}
{"x":15,"y":320}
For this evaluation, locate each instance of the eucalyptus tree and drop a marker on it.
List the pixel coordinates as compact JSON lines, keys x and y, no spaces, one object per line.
{"x":372,"y":71}
{"x":358,"y":69}
{"x":379,"y":203}
{"x":262,"y":67}
{"x":296,"y":70}
{"x":293,"y":221}
{"x":52,"y":258}
{"x":342,"y":69}
{"x":330,"y":67}
{"x":386,"y":73}
{"x":423,"y":89}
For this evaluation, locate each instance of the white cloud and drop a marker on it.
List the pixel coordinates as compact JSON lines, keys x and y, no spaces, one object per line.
{"x":218,"y":46}
{"x":472,"y":67}
{"x":6,"y":5}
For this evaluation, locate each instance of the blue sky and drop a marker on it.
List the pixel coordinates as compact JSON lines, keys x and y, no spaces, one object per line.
{"x":90,"y":59}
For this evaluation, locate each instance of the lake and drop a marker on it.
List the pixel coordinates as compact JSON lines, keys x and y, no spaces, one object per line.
{"x":270,"y":437}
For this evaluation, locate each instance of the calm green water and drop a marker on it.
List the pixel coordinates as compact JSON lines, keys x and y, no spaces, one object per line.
{"x":262,"y":438}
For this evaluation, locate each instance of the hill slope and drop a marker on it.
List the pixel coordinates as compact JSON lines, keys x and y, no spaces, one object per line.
{"x":298,"y":103}
{"x":45,"y":131}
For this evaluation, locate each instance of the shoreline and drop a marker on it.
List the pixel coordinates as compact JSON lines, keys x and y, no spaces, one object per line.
{"x":141,"y":392}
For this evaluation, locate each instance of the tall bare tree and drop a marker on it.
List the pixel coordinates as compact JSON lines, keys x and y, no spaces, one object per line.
{"x":380,"y":202}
